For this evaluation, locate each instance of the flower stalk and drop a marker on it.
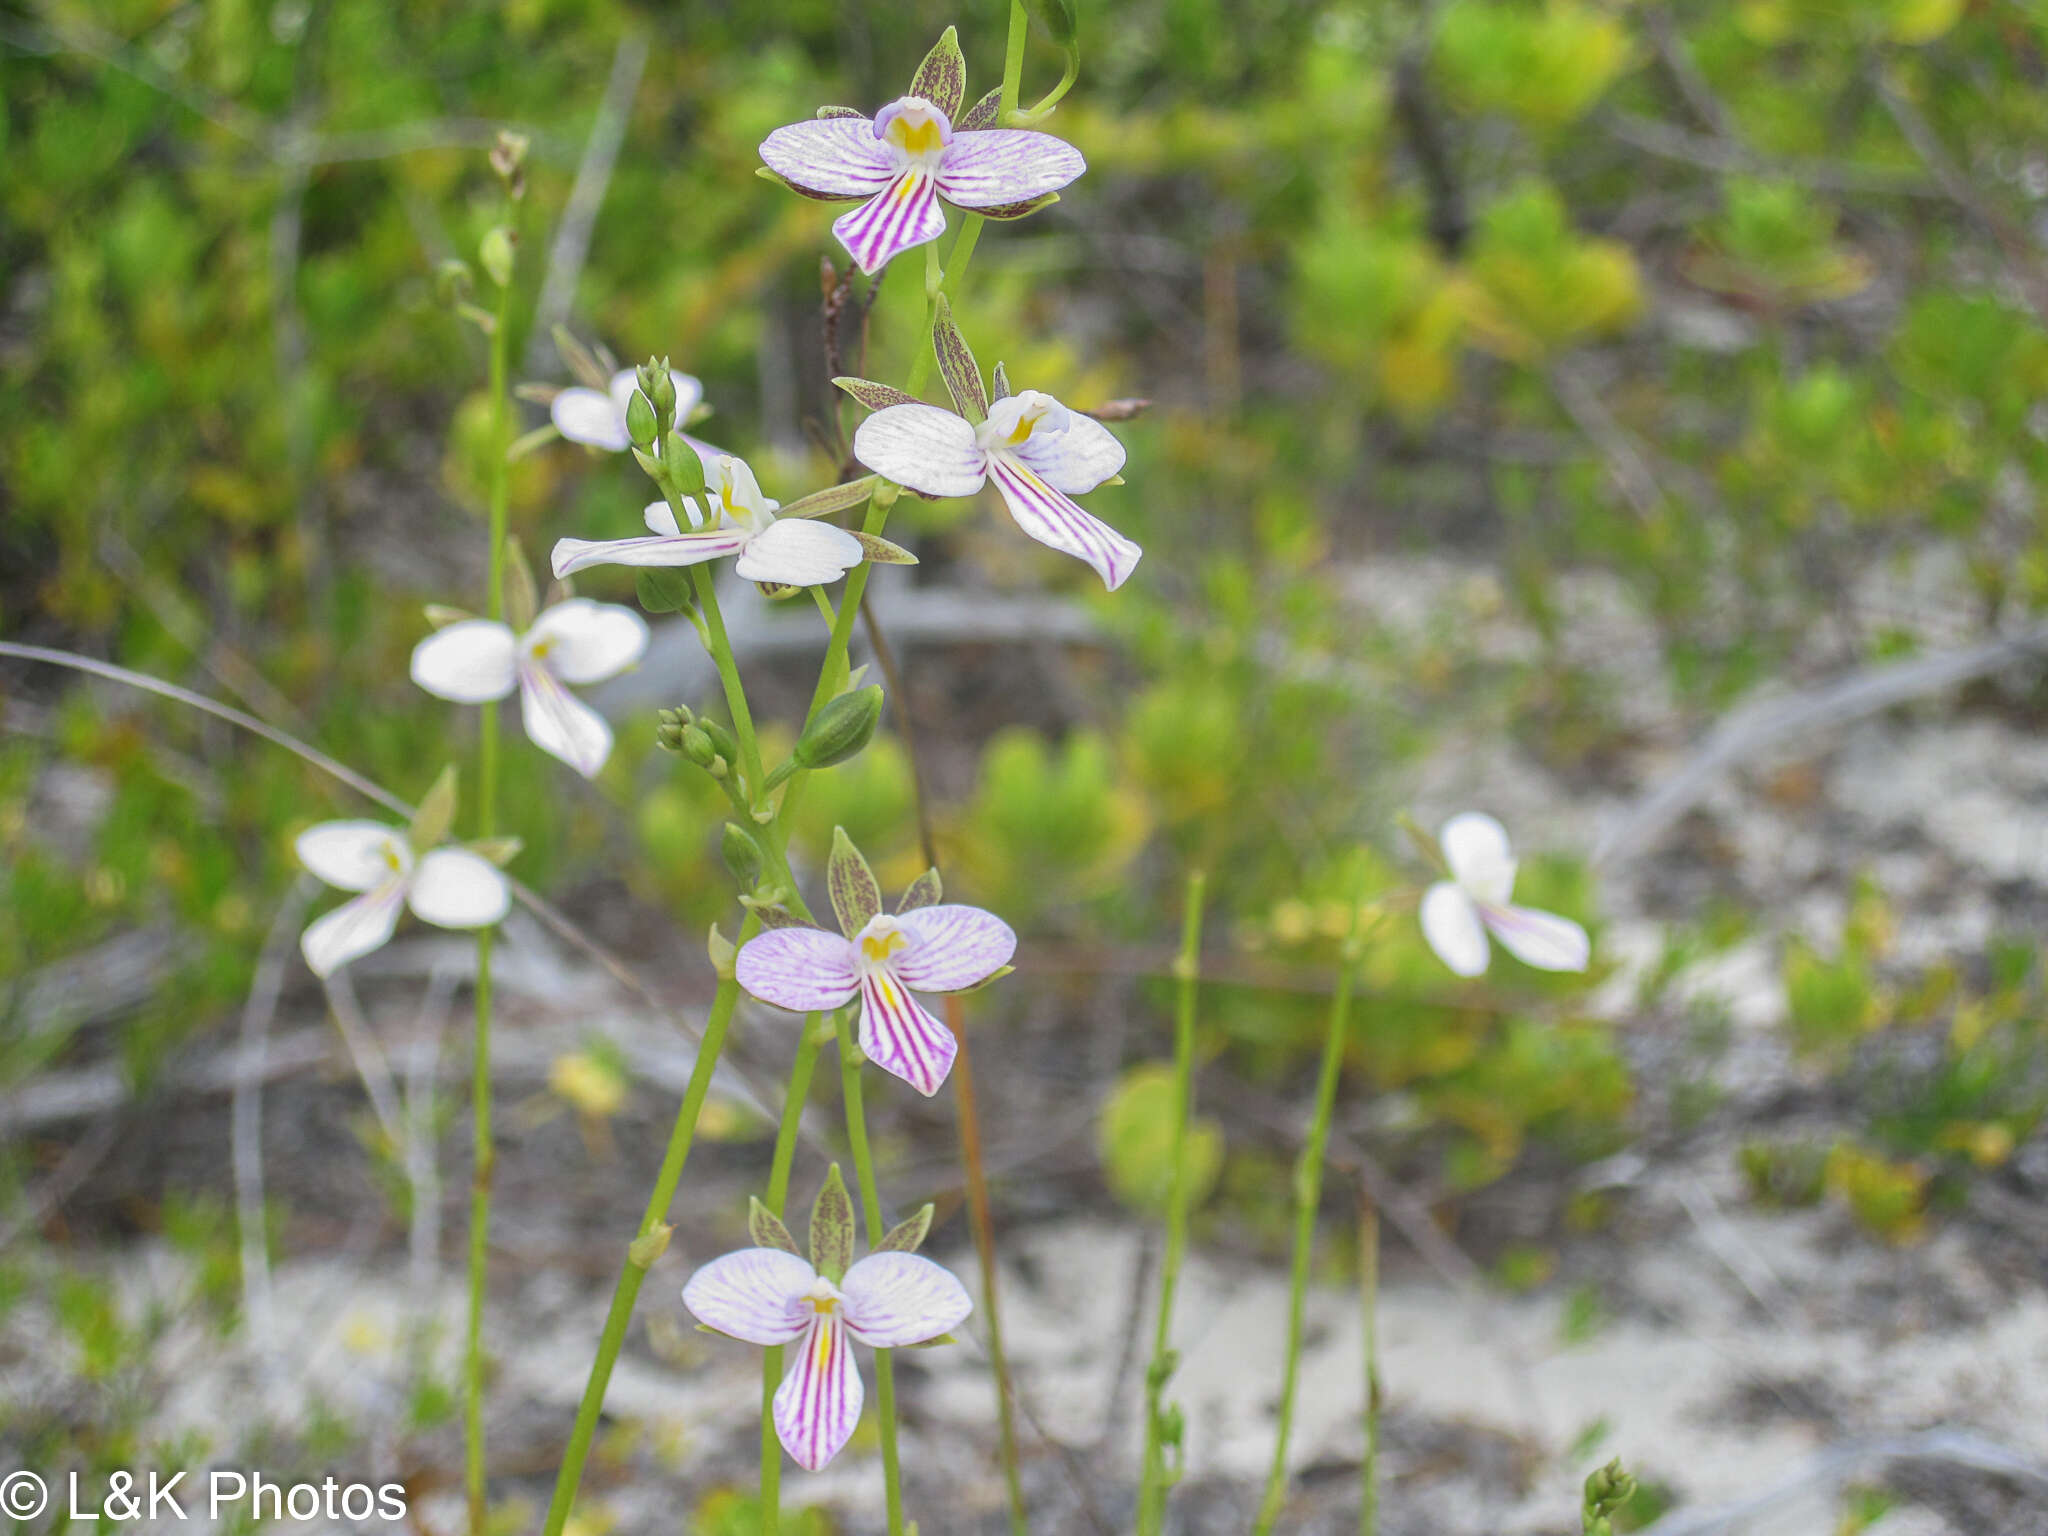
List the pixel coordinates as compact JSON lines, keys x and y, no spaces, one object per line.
{"x":1163,"y":1424}
{"x":871,"y":1205}
{"x":1308,"y":1192}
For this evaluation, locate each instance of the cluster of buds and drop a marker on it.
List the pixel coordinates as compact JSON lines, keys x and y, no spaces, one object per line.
{"x":703,"y":740}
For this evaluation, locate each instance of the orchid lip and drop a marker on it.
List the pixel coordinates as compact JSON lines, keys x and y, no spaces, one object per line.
{"x":916,"y":128}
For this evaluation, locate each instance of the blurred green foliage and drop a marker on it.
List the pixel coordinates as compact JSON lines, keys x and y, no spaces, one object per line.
{"x":1682,"y":293}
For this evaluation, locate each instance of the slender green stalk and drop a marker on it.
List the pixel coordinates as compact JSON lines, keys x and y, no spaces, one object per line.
{"x":1308,"y":1191}
{"x":1369,"y":1307}
{"x":778,"y":1197}
{"x":646,"y":1247}
{"x":729,"y":675}
{"x":1154,"y":1479}
{"x":482,"y":1156}
{"x":871,"y":1201}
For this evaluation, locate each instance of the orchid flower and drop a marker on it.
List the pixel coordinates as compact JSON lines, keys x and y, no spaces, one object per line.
{"x":577,"y":641}
{"x":1458,"y":913}
{"x":771,"y":1295}
{"x":913,"y":152}
{"x":596,"y":418}
{"x":448,"y":887}
{"x":883,"y":958}
{"x":790,"y":552}
{"x":1039,"y":453}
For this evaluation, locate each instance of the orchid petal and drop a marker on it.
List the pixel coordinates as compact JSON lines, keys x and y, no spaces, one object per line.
{"x":560,"y":724}
{"x":952,"y":947}
{"x":819,"y":1401}
{"x":353,"y":929}
{"x":1450,"y":922}
{"x":589,"y":417}
{"x":660,"y":518}
{"x":805,"y":970}
{"x":1077,"y":460}
{"x":830,"y":157}
{"x":755,"y":1295}
{"x":353,"y":855}
{"x":987,"y":167}
{"x":799,"y":553}
{"x":455,"y":888}
{"x":898,"y":1035}
{"x":924,"y":448}
{"x":905,"y":214}
{"x":1476,"y":849}
{"x":667,"y":549}
{"x":585,"y":641}
{"x":1542,"y":939}
{"x":469,"y":662}
{"x":1054,"y":520}
{"x":894,"y":1299}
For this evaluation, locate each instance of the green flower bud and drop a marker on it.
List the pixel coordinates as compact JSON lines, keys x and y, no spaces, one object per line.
{"x":496,"y":255}
{"x":659,"y":387}
{"x":742,"y":855}
{"x":640,"y":423}
{"x":841,"y":729}
{"x":697,"y":745}
{"x":664,"y":589}
{"x":721,"y":738}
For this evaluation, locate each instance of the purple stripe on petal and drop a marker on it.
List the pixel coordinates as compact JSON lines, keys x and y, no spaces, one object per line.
{"x":819,"y":1401}
{"x":755,"y":1294}
{"x":657,"y":549}
{"x":987,"y":167}
{"x":1052,"y":519}
{"x":905,"y":215}
{"x":900,"y":1037}
{"x":1075,"y":461}
{"x":830,"y":157}
{"x":894,"y":1299}
{"x":952,"y":947}
{"x":805,"y":970}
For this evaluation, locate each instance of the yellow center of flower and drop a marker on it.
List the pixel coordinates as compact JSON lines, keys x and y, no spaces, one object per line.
{"x":920,"y":137}
{"x":877,"y":947}
{"x":824,"y":1306}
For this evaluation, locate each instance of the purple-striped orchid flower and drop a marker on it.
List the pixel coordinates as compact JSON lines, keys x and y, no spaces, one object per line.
{"x":916,"y":150}
{"x":596,"y":418}
{"x":771,"y":1295}
{"x":790,"y":551}
{"x":1040,"y":455}
{"x":884,"y":959}
{"x":578,"y":641}
{"x":1458,"y":913}
{"x":448,"y":887}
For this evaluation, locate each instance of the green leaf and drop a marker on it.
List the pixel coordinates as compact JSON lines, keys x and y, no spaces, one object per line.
{"x":767,"y":1230}
{"x":925,"y":891}
{"x":876,"y":397}
{"x":834,"y":498}
{"x":436,"y":815}
{"x":942,"y":78}
{"x":907,"y":1236}
{"x":832,"y":1228}
{"x":956,"y":363}
{"x":855,"y":895}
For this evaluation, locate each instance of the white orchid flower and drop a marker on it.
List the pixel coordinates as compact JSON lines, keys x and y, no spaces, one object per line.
{"x":1039,"y":453}
{"x":907,"y":157}
{"x":448,"y":887}
{"x":790,"y":552}
{"x":771,"y":1296}
{"x":575,"y":642}
{"x":1458,"y":913}
{"x":596,"y":418}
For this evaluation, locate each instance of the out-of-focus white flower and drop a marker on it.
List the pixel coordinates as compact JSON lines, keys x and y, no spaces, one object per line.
{"x":1458,"y":913}
{"x":448,"y":887}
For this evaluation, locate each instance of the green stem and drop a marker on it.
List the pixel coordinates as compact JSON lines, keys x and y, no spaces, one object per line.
{"x":1308,"y":1189}
{"x":1369,"y":1306}
{"x":778,"y":1197}
{"x":871,"y":1201}
{"x":729,"y":675}
{"x":646,"y":1247}
{"x":1154,"y":1478}
{"x":481,"y":1154}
